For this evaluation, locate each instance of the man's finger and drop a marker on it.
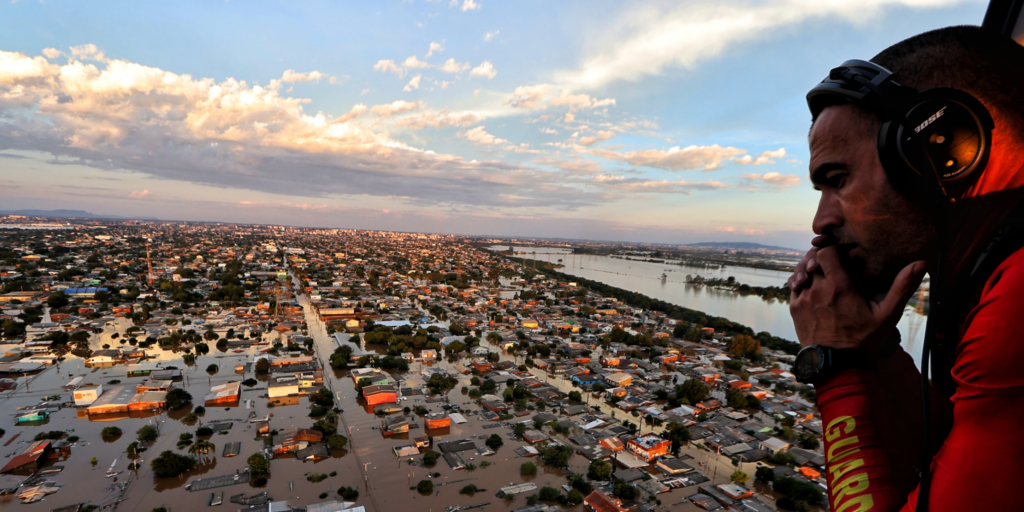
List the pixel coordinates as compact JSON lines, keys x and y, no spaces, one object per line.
{"x":831,"y":266}
{"x":903,"y":287}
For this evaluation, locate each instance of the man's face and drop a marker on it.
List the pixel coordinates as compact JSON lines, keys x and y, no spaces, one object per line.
{"x":878,"y":231}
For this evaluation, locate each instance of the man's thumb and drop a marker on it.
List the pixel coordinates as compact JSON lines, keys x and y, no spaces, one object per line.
{"x":903,"y":287}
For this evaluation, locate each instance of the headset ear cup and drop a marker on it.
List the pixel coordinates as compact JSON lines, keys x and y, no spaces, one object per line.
{"x":903,"y":176}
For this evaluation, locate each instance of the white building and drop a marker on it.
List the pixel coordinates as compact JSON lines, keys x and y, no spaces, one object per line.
{"x":88,"y":394}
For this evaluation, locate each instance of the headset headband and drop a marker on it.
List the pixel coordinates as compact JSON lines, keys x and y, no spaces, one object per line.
{"x":863,"y":83}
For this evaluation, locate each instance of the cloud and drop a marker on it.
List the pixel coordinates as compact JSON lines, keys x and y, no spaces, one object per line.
{"x":726,"y":229}
{"x":479,"y":136}
{"x":772,"y":179}
{"x":356,"y":111}
{"x":413,"y":84}
{"x":549,"y":131}
{"x":439,"y":120}
{"x":140,"y":194}
{"x":640,"y":185}
{"x":450,"y":66}
{"x":764,"y":158}
{"x":52,"y":53}
{"x":528,"y":96}
{"x":469,"y":5}
{"x":388,"y":66}
{"x":434,"y":47}
{"x":580,"y":101}
{"x":290,"y":76}
{"x":233,"y":134}
{"x":648,"y":39}
{"x":484,"y":70}
{"x":87,"y":52}
{"x":705,"y":158}
{"x":601,"y":135}
{"x":752,"y":231}
{"x":490,"y":35}
{"x":396,"y":107}
{"x":412,"y":62}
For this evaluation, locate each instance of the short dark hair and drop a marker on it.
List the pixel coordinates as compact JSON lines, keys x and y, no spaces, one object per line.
{"x":987,"y":65}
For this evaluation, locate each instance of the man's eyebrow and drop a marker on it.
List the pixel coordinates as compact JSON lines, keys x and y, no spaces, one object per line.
{"x":819,"y":172}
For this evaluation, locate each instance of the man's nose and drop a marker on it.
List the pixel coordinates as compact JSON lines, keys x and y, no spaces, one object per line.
{"x":828,"y":217}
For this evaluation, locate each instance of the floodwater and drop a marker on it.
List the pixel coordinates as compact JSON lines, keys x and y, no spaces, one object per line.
{"x":751,"y":310}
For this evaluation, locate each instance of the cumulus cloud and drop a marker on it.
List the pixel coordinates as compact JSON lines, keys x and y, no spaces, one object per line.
{"x":468,"y":5}
{"x":413,"y":84}
{"x":772,"y":179}
{"x":434,"y":47}
{"x":140,"y":194}
{"x":705,"y":158}
{"x":580,"y":101}
{"x":529,"y":96}
{"x":439,"y":120}
{"x":412,"y":62}
{"x":479,"y":136}
{"x":292,"y":77}
{"x":601,"y":135}
{"x":491,"y":35}
{"x":484,"y":70}
{"x":450,"y":66}
{"x":388,"y":66}
{"x":654,"y":37}
{"x":231,"y":133}
{"x":52,"y":53}
{"x":396,"y":107}
{"x":87,"y":52}
{"x":640,"y":185}
{"x":765,"y":157}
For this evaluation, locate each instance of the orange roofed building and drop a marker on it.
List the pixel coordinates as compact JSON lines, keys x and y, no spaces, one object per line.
{"x":601,"y":502}
{"x":383,"y":394}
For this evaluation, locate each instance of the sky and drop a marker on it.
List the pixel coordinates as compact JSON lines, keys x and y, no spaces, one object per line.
{"x":644,"y":121}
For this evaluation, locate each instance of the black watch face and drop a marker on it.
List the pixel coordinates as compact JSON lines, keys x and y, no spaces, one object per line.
{"x":808,"y":362}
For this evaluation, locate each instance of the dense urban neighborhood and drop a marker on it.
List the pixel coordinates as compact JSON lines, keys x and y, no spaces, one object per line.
{"x":158,"y":366}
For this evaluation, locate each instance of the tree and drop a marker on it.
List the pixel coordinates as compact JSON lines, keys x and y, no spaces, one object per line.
{"x":170,"y":464}
{"x":527,"y":469}
{"x":548,"y":494}
{"x":736,"y":399}
{"x":692,"y":390}
{"x":177,"y":398}
{"x":469,"y":489}
{"x":678,"y":434}
{"x":57,"y":300}
{"x":430,"y":458}
{"x":110,"y":432}
{"x":328,"y":428}
{"x":625,"y":491}
{"x":739,"y":477}
{"x":519,"y":429}
{"x":337,"y":442}
{"x":575,"y":497}
{"x":798,"y":490}
{"x":263,"y":366}
{"x":808,"y":441}
{"x":348,"y":493}
{"x":557,"y":456}
{"x":202,"y":448}
{"x":742,"y":345}
{"x":599,"y":469}
{"x":258,"y":464}
{"x":494,"y":442}
{"x":425,"y":486}
{"x":575,"y":396}
{"x":764,"y":474}
{"x":147,"y":434}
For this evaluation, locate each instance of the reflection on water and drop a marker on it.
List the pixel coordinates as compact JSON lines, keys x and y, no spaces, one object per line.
{"x":646,"y":278}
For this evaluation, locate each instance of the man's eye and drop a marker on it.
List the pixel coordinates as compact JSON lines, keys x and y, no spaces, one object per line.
{"x":836,"y":180}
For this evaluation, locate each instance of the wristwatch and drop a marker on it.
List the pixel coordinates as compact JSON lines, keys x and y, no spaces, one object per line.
{"x":815,"y":362}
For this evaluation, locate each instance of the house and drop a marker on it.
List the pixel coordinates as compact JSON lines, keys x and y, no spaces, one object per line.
{"x":612,"y":444}
{"x":223,"y":393}
{"x":774,"y":445}
{"x":648,"y":447}
{"x":739,"y":385}
{"x":88,"y":394}
{"x":282,"y":386}
{"x":293,"y":440}
{"x":28,"y":461}
{"x":428,"y":354}
{"x":383,"y":394}
{"x":619,"y":380}
{"x":438,"y":420}
{"x":735,"y":491}
{"x":481,"y":366}
{"x":103,"y":358}
{"x":313,"y":452}
{"x":587,"y":380}
{"x":115,"y":399}
{"x":598,"y":501}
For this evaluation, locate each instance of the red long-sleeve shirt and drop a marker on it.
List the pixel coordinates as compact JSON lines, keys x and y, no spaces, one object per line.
{"x":977,"y":463}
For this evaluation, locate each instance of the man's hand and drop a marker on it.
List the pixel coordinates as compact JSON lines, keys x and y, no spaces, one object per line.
{"x":831,"y":312}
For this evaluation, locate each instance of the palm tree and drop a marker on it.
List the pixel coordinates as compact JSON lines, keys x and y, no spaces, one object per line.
{"x":202,"y":447}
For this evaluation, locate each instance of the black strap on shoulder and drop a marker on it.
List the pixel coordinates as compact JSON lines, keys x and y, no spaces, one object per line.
{"x":1008,"y":239}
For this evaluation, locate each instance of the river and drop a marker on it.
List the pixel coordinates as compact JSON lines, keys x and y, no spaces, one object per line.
{"x":646,"y":278}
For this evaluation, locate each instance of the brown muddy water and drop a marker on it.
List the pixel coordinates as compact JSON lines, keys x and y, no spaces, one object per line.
{"x":368,"y":463}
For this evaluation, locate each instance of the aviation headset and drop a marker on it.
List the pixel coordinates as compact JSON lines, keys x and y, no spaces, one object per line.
{"x":929,"y":140}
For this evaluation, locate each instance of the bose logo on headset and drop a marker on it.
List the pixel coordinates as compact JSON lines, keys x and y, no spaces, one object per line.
{"x":930,"y":120}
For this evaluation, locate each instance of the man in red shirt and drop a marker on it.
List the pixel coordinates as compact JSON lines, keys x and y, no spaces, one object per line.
{"x":880,"y":229}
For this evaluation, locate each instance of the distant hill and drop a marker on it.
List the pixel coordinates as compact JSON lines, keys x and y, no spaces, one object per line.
{"x":740,"y":246}
{"x":66,"y":214}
